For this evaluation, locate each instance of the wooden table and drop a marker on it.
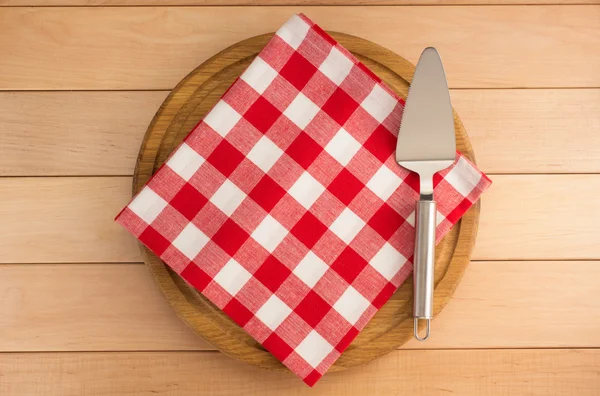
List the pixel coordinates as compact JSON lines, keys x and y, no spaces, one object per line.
{"x":80,"y":81}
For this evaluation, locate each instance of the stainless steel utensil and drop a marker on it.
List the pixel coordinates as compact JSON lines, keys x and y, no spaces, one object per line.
{"x":426,"y":145}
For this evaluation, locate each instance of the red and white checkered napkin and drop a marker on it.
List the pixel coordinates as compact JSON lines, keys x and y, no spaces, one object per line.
{"x":285,"y":206}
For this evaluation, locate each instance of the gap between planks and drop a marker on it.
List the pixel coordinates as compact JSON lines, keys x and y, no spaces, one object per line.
{"x":128,"y":175}
{"x":202,"y":351}
{"x":283,"y":3}
{"x":167,"y":91}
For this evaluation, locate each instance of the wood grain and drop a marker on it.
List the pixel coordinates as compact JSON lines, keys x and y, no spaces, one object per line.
{"x":523,"y":217}
{"x":186,"y":105}
{"x":70,"y":307}
{"x":155,"y":47}
{"x":540,"y":217}
{"x":482,"y":373}
{"x":107,"y":307}
{"x":100,"y":3}
{"x":522,"y":304}
{"x":64,"y":220}
{"x":80,"y":133}
{"x":39,"y":138}
{"x":532,"y":131}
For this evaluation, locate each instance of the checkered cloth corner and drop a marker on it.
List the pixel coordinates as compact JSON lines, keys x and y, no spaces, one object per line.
{"x":285,"y":207}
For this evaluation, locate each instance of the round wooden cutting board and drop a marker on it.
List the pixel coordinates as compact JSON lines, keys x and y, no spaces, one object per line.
{"x":195,"y":95}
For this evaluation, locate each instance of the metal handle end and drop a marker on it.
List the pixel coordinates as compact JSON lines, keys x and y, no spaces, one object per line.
{"x":427,"y":329}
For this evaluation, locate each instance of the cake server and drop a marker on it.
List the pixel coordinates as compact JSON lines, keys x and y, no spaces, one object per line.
{"x":426,"y":145}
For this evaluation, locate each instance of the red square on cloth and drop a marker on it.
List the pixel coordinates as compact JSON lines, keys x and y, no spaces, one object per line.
{"x":262,"y":114}
{"x":283,"y":206}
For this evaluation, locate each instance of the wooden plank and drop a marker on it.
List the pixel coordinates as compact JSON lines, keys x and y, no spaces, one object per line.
{"x":69,"y":307}
{"x":64,"y":220}
{"x":100,"y":3}
{"x":154,"y":47}
{"x":532,"y":131}
{"x":73,"y":133}
{"x":71,"y":219}
{"x":512,"y":131}
{"x":539,"y":217}
{"x":514,"y":304}
{"x":481,"y":373}
{"x":100,"y":307}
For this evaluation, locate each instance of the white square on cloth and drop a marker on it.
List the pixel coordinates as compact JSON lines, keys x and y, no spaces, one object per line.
{"x":148,"y":205}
